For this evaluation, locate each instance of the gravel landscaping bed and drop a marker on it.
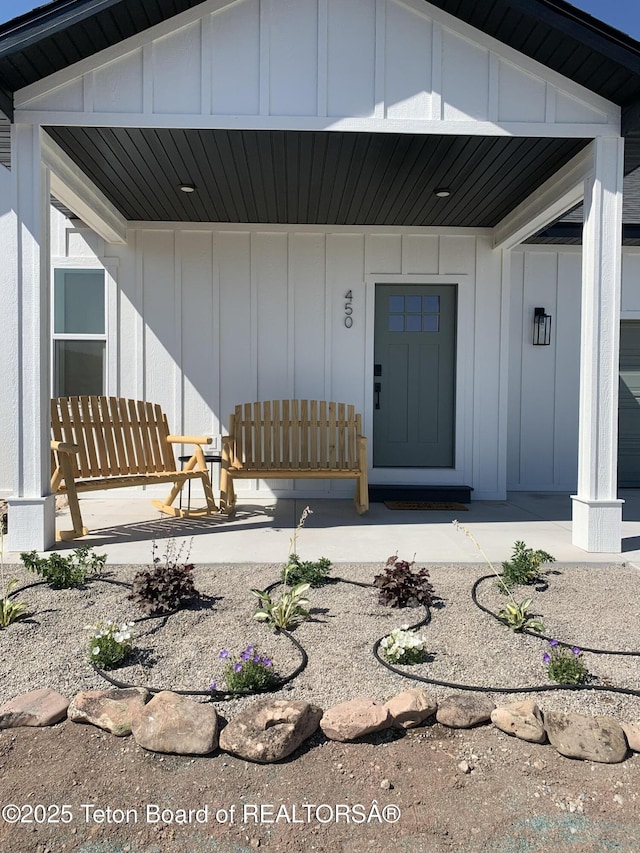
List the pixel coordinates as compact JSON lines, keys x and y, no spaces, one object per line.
{"x":594,"y":606}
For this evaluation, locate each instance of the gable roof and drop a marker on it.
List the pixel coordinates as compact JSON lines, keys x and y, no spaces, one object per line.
{"x":553,"y":32}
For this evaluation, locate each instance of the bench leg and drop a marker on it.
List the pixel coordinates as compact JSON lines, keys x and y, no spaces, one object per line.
{"x":74,"y":505}
{"x":227,"y":493}
{"x":362,"y":495}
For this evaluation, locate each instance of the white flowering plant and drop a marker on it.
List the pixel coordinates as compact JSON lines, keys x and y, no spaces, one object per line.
{"x":110,"y":643}
{"x":404,"y":646}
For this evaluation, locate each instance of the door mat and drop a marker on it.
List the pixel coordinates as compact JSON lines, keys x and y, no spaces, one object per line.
{"x":426,"y":505}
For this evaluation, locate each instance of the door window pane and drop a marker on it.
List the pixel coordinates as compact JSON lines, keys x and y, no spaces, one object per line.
{"x":396,"y":322}
{"x":414,"y":323}
{"x":78,"y":368}
{"x":78,"y":302}
{"x":430,"y":323}
{"x":414,"y":304}
{"x":396,"y":304}
{"x":431,"y":304}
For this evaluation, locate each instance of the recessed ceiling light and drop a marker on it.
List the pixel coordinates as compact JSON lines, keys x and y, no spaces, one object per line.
{"x":188,"y":188}
{"x":442,"y":192}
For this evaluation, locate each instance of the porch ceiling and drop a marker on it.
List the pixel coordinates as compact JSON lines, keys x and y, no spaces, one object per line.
{"x":303,"y":177}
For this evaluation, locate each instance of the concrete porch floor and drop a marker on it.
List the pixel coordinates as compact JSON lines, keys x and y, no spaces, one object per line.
{"x":125,"y":528}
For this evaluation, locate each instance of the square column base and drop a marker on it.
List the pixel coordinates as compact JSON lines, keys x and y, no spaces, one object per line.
{"x":32,"y":524}
{"x":597,"y":525}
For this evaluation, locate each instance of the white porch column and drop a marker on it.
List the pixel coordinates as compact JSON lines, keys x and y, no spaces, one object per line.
{"x":31,"y":507}
{"x":597,"y":513}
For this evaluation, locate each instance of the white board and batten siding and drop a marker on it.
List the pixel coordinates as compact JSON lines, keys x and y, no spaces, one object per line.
{"x":544,"y":381}
{"x":312,"y":64}
{"x":204,"y":317}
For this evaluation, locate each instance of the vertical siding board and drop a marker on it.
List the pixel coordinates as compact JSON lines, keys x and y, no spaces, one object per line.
{"x":516,"y":340}
{"x":566,"y":340}
{"x":351,"y":56}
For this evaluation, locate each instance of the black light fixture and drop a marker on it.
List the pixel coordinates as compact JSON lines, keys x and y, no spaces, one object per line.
{"x":541,"y":328}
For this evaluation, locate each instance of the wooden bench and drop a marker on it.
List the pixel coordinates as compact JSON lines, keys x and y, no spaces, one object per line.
{"x":294,"y":439}
{"x":109,"y":443}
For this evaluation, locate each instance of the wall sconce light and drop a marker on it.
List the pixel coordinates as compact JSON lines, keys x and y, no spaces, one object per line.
{"x":541,"y":328}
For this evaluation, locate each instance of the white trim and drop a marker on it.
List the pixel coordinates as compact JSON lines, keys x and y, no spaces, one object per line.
{"x":556,"y":196}
{"x":73,"y":188}
{"x":268,"y":228}
{"x":467,"y":127}
{"x":462,"y":472}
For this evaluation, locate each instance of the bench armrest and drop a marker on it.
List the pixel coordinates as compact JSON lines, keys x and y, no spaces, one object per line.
{"x":64,"y":447}
{"x":189,"y":439}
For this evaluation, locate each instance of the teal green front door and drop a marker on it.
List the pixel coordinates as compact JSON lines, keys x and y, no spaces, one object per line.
{"x":414,"y":376}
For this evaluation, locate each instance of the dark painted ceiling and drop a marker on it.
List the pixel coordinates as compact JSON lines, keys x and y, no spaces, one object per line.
{"x":324,"y":177}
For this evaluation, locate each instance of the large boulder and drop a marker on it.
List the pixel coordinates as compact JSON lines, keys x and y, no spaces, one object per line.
{"x":521,"y":719}
{"x":270,"y":730}
{"x":354,"y":719}
{"x":589,"y":738}
{"x":632,"y":733}
{"x":173,"y":723}
{"x":464,"y":710}
{"x":111,"y":709}
{"x":411,"y":708}
{"x":42,"y":707}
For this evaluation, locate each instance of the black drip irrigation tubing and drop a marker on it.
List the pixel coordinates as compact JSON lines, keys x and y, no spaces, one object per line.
{"x":476,"y":688}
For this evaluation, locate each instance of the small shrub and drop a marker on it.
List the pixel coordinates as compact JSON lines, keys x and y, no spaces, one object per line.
{"x":167,"y":585}
{"x":298,"y":571}
{"x":249,"y":671}
{"x":517,"y":617}
{"x":11,"y":610}
{"x":565,"y":665}
{"x":109,"y":644}
{"x":289,"y":609}
{"x":403,"y":646}
{"x":524,"y":566}
{"x":65,"y":572}
{"x":400,"y":586}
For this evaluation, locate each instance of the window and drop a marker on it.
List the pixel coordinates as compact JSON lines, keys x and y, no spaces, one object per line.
{"x":79,"y":332}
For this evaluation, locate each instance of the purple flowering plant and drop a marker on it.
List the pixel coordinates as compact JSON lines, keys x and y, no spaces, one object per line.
{"x":565,"y":664}
{"x":250,"y":670}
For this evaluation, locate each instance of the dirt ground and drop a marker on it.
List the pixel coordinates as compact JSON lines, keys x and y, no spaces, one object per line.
{"x":410,"y":793}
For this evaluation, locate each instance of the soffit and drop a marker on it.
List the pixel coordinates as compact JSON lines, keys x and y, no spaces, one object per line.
{"x":317,"y":178}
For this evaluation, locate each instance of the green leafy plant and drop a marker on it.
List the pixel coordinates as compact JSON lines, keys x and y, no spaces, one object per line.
{"x":315,"y":573}
{"x":290,"y":608}
{"x":565,"y":665}
{"x":249,"y":671}
{"x":400,"y":586}
{"x":109,"y":644}
{"x":403,"y":646}
{"x":167,"y":585}
{"x":524,"y":565}
{"x":10,"y":610}
{"x":517,"y":616}
{"x":65,"y":572}
{"x":286,"y":611}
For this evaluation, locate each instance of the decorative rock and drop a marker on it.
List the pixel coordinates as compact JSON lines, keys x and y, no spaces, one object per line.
{"x":464,"y":767}
{"x":110,"y":709}
{"x":589,"y":738}
{"x":42,"y":707}
{"x":270,"y":729}
{"x":410,"y":708}
{"x":521,"y":719}
{"x":464,"y":710}
{"x":354,"y":719}
{"x":173,"y":723}
{"x":632,"y":733}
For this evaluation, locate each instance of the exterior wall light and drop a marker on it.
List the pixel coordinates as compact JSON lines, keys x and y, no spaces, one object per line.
{"x":541,"y":328}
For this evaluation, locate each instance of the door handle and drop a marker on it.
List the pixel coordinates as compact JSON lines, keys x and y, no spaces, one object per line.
{"x":377,"y":388}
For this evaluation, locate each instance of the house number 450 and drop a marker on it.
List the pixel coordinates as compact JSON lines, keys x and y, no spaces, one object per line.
{"x":348,"y":309}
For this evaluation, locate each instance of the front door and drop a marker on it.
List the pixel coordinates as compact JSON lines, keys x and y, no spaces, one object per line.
{"x":414,"y":376}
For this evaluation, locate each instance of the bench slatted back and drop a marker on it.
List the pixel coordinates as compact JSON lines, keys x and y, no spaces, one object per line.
{"x":295,"y":434}
{"x":115,"y":436}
